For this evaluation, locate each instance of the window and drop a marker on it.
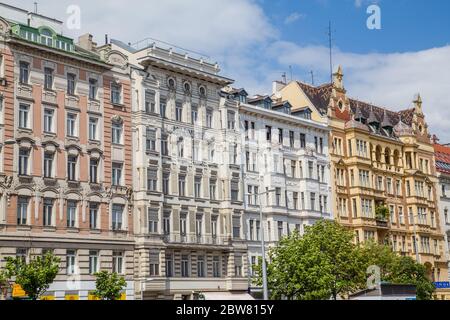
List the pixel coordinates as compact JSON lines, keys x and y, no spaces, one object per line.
{"x":72,"y":168}
{"x":48,"y":212}
{"x":152,"y":179}
{"x":154,"y":264}
{"x":22,"y":253}
{"x":71,"y":214}
{"x":166,"y":223}
{"x":234,"y":190}
{"x":164,"y":145}
{"x":182,"y":185}
{"x":70,"y":261}
{"x":251,"y":230}
{"x":117,"y":219}
{"x":233,"y":153}
{"x":310,"y":170}
{"x":198,"y":226}
{"x":24,"y":112}
{"x":169,"y":265}
{"x":117,"y":133}
{"x":401,"y":218}
{"x":71,"y":80}
{"x":93,"y":170}
{"x":216,"y":267}
{"x":201,"y":266}
{"x":313,"y":201}
{"x":48,"y":78}
{"x":316,"y":144}
{"x":278,"y":196}
{"x":321,"y":145}
{"x":237,"y":227}
{"x":209,"y":118}
{"x":117,"y":262}
{"x":166,"y":181}
{"x":116,"y":92}
{"x":295,"y":200}
{"x":258,"y":230}
{"x":178,"y":111}
{"x":231,"y":120}
{"x":268,"y":133}
{"x":280,"y":136}
{"x":280,"y":230}
{"x":71,"y":125}
{"x":24,"y":155}
{"x":24,"y":74}
{"x":214,"y":227}
{"x":238,"y":266}
{"x":152,"y":220}
{"x":22,"y":210}
{"x":93,"y":83}
{"x":93,"y":262}
{"x":185,"y":266}
{"x":194,"y":114}
{"x":162,"y":106}
{"x":93,"y":124}
{"x":198,"y":187}
{"x":183,"y":226}
{"x":180,"y":148}
{"x":212,"y":189}
{"x":93,"y":216}
{"x":48,"y":120}
{"x":117,"y":174}
{"x":149,"y":101}
{"x":48,"y":165}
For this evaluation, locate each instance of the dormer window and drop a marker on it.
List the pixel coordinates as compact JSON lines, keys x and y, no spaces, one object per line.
{"x":242,"y":98}
{"x":267,"y":104}
{"x":47,"y":37}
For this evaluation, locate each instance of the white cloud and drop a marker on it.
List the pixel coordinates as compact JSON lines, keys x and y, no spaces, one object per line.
{"x":293,"y":17}
{"x":389,"y":80}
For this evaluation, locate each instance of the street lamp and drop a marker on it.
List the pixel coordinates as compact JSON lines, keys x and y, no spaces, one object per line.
{"x":263,"y":246}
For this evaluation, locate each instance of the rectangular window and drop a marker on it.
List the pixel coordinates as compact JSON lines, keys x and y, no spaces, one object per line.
{"x":71,"y":125}
{"x":199,"y":226}
{"x":24,"y":155}
{"x":24,"y":74}
{"x":209,"y":118}
{"x":162,"y":106}
{"x":93,"y":216}
{"x":71,"y":214}
{"x":278,"y":196}
{"x":280,"y":136}
{"x":70,"y":261}
{"x":237,"y":227}
{"x":152,"y":179}
{"x":183,"y":226}
{"x":117,"y":262}
{"x":93,"y":262}
{"x":234,"y":190}
{"x":182,"y":186}
{"x":201,"y":266}
{"x":93,"y":89}
{"x":93,"y":124}
{"x":280,"y":230}
{"x":185,"y":266}
{"x":117,"y":217}
{"x":238,"y":266}
{"x":231,"y":120}
{"x":24,"y":113}
{"x":166,"y":181}
{"x":150,"y":101}
{"x":72,"y":168}
{"x":268,"y":133}
{"x":214,"y":220}
{"x":48,"y":165}
{"x":169,"y":265}
{"x":166,"y":223}
{"x":117,"y":129}
{"x":198,"y":187}
{"x":216,"y":267}
{"x":48,"y":120}
{"x":194,"y":114}
{"x":164,"y":145}
{"x":178,"y":111}
{"x":154,"y":264}
{"x":93,"y":170}
{"x":22,"y":210}
{"x":48,"y":78}
{"x":48,"y":212}
{"x":212,"y":189}
{"x":117,"y":174}
{"x":313,"y":201}
{"x":291,"y":139}
{"x":71,"y":82}
{"x":152,"y":220}
{"x":116,"y":93}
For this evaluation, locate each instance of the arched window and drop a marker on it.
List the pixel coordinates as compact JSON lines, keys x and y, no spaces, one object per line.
{"x":47,"y":37}
{"x":387,"y":156}
{"x":378,"y":154}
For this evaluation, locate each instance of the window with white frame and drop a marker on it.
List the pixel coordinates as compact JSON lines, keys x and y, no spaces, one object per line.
{"x":48,"y":164}
{"x":71,"y":214}
{"x":22,"y":210}
{"x":24,"y":157}
{"x":117,"y":262}
{"x":93,"y":215}
{"x":93,"y":262}
{"x":71,"y":124}
{"x":24,"y":72}
{"x":93,"y":128}
{"x":194,"y":114}
{"x":71,"y":256}
{"x":93,"y":170}
{"x":93,"y":85}
{"x":179,"y":111}
{"x":48,"y":212}
{"x":150,"y":101}
{"x":71,"y":83}
{"x":116,"y":174}
{"x":213,"y":189}
{"x":117,"y":217}
{"x":209,"y":118}
{"x":48,"y":78}
{"x":185,"y":270}
{"x":152,"y":179}
{"x":117,"y":129}
{"x":116,"y":93}
{"x":154,"y":263}
{"x":24,"y":116}
{"x":72,"y":168}
{"x":201,"y":266}
{"x":166,"y":183}
{"x":150,"y":140}
{"x":153,"y":220}
{"x":182,"y":185}
{"x":49,"y":120}
{"x":198,"y":187}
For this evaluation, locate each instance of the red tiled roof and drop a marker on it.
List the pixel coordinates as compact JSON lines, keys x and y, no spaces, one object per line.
{"x":319,"y":96}
{"x":442,"y":154}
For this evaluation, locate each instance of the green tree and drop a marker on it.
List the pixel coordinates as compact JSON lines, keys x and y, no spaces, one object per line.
{"x":34,"y":277}
{"x":396,"y":269}
{"x":4,"y":283}
{"x":109,"y":285}
{"x":322,"y":264}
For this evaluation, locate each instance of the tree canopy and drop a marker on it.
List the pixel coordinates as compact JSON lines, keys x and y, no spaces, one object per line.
{"x":109,"y":285}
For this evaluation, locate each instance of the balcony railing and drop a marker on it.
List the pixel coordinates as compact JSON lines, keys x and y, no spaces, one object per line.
{"x":195,"y":239}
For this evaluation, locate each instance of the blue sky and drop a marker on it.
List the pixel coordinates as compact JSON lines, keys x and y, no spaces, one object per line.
{"x":255,"y":41}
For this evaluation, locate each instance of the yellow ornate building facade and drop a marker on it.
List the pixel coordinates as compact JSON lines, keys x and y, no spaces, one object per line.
{"x":383,"y":173}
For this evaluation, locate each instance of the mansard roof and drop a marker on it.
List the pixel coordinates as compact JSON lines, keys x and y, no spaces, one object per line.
{"x":319,"y":96}
{"x":442,"y":154}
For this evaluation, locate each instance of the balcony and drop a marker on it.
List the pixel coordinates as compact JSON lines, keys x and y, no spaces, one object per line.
{"x":175,"y":238}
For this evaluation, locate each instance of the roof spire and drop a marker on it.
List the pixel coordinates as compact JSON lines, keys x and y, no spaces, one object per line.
{"x":338,"y":77}
{"x":418,"y":104}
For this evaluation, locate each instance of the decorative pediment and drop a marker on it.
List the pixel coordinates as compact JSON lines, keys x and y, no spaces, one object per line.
{"x":117,"y":119}
{"x":117,"y":58}
{"x":4,"y":26}
{"x":73,"y":150}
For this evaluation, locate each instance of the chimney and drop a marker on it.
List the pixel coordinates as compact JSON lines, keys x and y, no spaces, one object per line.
{"x":277,"y":86}
{"x":106,"y":39}
{"x":85,"y":42}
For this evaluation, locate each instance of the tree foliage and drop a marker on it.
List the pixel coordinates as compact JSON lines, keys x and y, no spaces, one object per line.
{"x":109,"y":285}
{"x":34,"y":277}
{"x":324,"y":263}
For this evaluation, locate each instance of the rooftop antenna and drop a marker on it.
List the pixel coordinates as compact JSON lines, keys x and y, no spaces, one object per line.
{"x":312,"y":77}
{"x":35,"y":7}
{"x":283,"y":76}
{"x":330,"y":43}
